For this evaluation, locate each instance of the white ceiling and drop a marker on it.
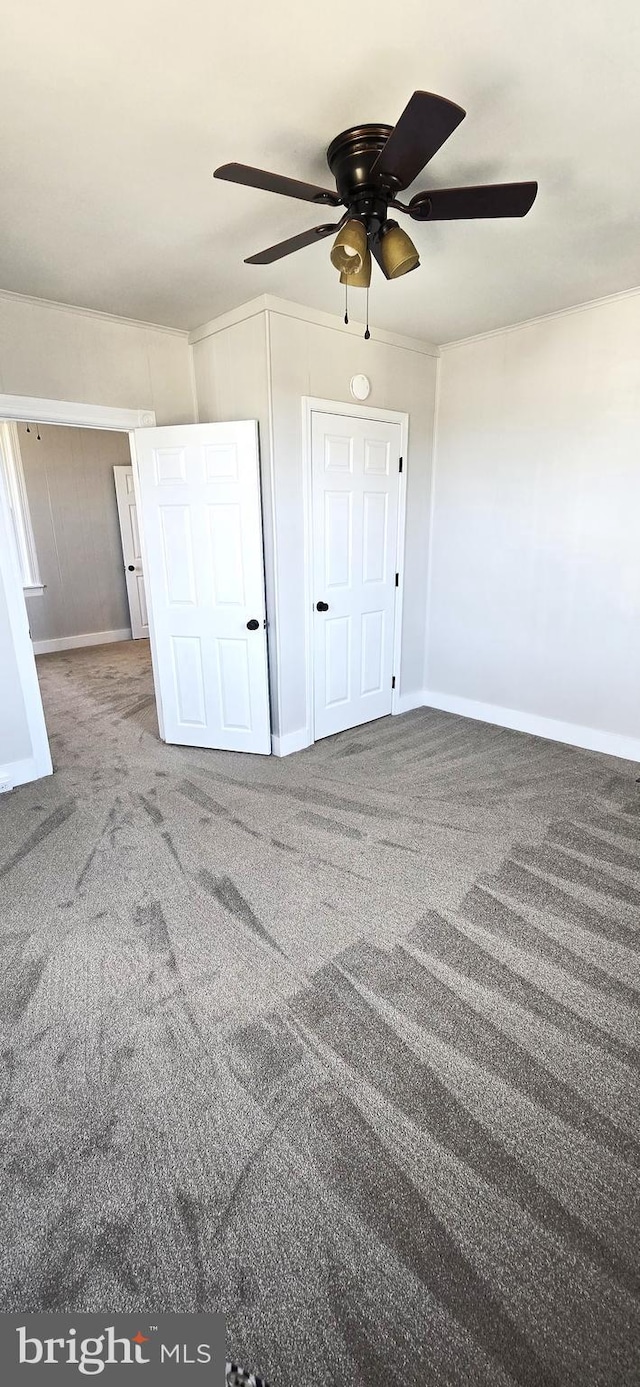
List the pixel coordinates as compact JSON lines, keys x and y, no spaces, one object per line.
{"x":114,"y":116}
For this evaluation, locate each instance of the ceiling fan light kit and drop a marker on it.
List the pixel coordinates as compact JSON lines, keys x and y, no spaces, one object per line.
{"x":361,"y":279}
{"x":397,"y":250}
{"x":371,"y":164}
{"x":349,"y":249}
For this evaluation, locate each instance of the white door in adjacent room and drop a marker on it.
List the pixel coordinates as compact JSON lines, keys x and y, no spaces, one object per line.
{"x":355,"y":489}
{"x":201,"y":529}
{"x":131,"y":552}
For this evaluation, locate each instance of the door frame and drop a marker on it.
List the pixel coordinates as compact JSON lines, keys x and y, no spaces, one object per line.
{"x":129,"y":468}
{"x":311,"y":405}
{"x":37,"y":410}
{"x":145,"y":568}
{"x":38,"y":764}
{"x":33,"y":410}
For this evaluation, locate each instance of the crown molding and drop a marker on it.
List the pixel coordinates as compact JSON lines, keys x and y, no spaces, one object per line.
{"x":268,"y":303}
{"x":10,"y":296}
{"x":250,"y":309}
{"x":541,"y":318}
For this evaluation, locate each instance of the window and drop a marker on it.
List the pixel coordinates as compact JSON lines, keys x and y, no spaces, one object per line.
{"x":11,"y":463}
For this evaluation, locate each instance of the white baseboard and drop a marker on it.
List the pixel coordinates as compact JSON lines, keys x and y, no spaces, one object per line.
{"x":589,"y":738}
{"x":21,"y":772}
{"x":407,"y":702}
{"x":292,"y":741}
{"x":74,"y":642}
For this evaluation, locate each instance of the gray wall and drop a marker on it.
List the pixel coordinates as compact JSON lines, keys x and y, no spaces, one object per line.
{"x":70,"y":488}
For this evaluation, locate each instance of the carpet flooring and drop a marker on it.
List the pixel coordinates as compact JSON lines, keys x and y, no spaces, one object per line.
{"x":345,"y":1044}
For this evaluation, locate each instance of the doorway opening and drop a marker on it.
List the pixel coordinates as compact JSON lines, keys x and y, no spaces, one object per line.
{"x":68,"y":487}
{"x":198,"y":525}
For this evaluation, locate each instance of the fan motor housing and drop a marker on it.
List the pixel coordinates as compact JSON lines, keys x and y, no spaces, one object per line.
{"x":351,"y":157}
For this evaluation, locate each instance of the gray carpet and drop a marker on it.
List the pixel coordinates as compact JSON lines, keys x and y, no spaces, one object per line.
{"x":345,"y":1044}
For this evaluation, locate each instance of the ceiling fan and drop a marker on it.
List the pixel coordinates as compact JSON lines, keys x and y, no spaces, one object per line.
{"x":371,"y":164}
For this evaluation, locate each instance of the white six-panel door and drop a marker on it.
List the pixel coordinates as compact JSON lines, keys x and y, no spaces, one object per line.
{"x":355,"y":488}
{"x":131,"y":551}
{"x":200,"y":515}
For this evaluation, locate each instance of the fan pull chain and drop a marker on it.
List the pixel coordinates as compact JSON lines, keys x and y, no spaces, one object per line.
{"x":367,"y":334}
{"x":346,"y":303}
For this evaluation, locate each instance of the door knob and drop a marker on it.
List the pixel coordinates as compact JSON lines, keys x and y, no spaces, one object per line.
{"x":253,"y":625}
{"x":131,"y":567}
{"x":322,"y":606}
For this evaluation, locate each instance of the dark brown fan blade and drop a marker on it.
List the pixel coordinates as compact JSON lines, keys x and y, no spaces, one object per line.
{"x":275,"y":183}
{"x":426,"y":122}
{"x":266,"y":257}
{"x":489,"y":200}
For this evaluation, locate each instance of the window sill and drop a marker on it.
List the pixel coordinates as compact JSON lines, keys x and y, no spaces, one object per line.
{"x":34,"y":589}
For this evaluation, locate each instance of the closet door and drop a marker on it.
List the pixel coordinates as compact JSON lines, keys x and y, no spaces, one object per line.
{"x":355,"y":527}
{"x":200,"y":520}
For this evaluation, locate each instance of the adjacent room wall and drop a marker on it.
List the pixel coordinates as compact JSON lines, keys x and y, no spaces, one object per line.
{"x":534,"y":606}
{"x":262,"y":367}
{"x":72,"y":503}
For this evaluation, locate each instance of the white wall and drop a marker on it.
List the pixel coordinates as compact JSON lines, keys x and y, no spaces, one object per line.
{"x":535,"y":578}
{"x":60,"y":353}
{"x":231,"y":373}
{"x":262,"y":368}
{"x":72,"y":503}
